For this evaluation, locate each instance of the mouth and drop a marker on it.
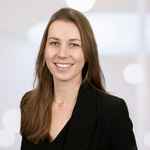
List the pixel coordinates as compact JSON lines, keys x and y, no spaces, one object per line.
{"x":63,"y":66}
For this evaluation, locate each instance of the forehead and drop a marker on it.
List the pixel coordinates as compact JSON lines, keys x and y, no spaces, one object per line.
{"x":64,"y":29}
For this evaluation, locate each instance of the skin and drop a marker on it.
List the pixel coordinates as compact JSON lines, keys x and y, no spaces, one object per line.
{"x":64,"y":46}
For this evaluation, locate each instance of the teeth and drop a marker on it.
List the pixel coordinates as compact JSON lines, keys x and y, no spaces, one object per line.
{"x":63,"y":65}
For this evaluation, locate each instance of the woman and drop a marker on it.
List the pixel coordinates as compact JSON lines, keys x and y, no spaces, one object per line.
{"x":69,"y":108}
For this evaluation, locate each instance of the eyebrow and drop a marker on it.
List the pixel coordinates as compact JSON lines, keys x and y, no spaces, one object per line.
{"x":55,"y":38}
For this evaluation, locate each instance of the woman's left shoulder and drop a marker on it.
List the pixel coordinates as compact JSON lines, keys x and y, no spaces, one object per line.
{"x":110,"y":102}
{"x":113,"y":112}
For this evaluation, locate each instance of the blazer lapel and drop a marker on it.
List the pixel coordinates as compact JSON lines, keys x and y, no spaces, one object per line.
{"x":83,"y":120}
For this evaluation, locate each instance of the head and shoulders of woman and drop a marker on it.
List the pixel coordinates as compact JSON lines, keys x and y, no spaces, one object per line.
{"x":67,"y":59}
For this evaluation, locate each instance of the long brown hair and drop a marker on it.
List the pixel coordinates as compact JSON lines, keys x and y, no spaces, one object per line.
{"x":36,"y":104}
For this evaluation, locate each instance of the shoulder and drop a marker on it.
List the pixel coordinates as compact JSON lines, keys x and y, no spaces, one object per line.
{"x":113,"y":117}
{"x":108,"y":104}
{"x":107,"y":99}
{"x":113,"y":111}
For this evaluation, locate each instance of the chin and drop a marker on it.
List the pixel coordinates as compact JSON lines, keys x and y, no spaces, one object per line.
{"x":63,"y":78}
{"x":66,"y":77}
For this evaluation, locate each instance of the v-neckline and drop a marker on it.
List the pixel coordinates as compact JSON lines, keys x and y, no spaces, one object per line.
{"x":67,"y":123}
{"x":60,"y":133}
{"x":75,"y":109}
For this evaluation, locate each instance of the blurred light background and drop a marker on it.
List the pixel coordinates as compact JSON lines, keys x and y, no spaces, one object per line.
{"x":122,"y":30}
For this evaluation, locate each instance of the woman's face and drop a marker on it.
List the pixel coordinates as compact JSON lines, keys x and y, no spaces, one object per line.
{"x":63,"y":53}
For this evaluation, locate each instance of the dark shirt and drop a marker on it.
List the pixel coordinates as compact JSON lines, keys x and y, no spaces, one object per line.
{"x":99,"y":121}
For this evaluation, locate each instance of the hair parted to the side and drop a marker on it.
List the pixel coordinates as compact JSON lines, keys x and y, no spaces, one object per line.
{"x":36,"y":104}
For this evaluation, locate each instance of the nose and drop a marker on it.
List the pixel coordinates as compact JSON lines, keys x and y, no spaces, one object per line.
{"x":63,"y":51}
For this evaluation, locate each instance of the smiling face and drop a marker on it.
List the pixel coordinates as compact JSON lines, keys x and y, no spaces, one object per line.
{"x":63,"y":52}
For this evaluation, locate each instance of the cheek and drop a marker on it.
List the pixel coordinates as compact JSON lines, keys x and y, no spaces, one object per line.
{"x":80,"y":59}
{"x":49,"y":54}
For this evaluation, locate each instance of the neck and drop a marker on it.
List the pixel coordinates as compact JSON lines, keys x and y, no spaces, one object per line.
{"x":66,"y":91}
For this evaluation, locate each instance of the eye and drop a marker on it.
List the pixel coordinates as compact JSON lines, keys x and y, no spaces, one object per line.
{"x":54,"y":43}
{"x":74,"y":45}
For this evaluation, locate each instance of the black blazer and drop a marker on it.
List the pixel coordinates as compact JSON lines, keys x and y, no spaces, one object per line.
{"x":99,"y":122}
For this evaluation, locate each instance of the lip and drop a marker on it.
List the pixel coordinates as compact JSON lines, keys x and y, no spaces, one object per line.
{"x":63,"y":63}
{"x":62,"y":68}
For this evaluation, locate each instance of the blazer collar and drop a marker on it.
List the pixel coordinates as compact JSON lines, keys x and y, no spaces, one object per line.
{"x":83,"y":119}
